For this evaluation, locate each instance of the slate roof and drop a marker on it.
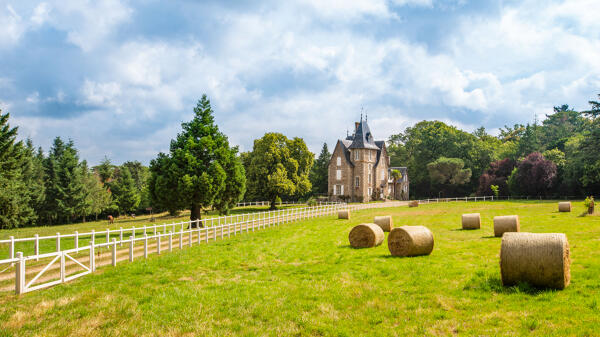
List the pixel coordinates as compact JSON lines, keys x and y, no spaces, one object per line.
{"x":363,"y":138}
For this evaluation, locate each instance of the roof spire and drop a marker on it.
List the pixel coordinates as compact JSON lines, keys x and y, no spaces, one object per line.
{"x":361,"y":112}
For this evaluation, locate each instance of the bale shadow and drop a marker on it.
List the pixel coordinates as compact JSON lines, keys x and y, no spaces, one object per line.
{"x":482,"y":281}
{"x":490,"y":237}
{"x":347,"y":247}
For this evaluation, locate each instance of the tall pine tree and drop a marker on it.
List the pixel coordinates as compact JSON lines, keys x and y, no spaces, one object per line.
{"x":15,"y":200}
{"x":199,"y":167}
{"x":320,"y":171}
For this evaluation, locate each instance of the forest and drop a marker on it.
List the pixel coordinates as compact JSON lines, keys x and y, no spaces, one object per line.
{"x":557,"y":157}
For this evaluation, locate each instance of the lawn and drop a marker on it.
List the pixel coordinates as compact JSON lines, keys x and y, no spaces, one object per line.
{"x":100,"y":226}
{"x":303,"y":279}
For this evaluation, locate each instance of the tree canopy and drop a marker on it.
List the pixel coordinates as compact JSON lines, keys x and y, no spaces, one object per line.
{"x":277,"y":167}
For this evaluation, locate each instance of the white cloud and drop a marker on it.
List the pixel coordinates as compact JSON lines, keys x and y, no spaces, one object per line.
{"x":12,"y":27}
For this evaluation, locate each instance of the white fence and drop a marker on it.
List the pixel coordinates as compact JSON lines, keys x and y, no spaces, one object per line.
{"x":162,"y":237}
{"x":267,"y":203}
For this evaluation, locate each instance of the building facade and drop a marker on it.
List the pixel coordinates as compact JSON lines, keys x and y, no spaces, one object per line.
{"x":359,"y":169}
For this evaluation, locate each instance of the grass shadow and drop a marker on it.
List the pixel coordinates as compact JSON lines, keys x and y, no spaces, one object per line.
{"x":482,"y":281}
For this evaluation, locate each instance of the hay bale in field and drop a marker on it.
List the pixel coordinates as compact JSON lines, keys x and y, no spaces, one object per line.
{"x":471,"y":221}
{"x":344,"y":214}
{"x":506,"y":223}
{"x":385,"y":222}
{"x":366,"y":235}
{"x":410,"y":241}
{"x":542,"y":260}
{"x":413,"y":203}
{"x":564,"y":206}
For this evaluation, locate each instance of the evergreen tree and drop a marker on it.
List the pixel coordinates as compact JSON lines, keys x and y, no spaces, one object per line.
{"x":320,"y":172}
{"x":15,"y":201}
{"x":235,"y":184}
{"x":125,"y":192}
{"x":105,"y":170}
{"x":196,"y":171}
{"x":65,"y":198}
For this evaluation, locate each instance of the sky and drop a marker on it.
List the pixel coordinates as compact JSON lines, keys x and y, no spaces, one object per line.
{"x":119,"y":77}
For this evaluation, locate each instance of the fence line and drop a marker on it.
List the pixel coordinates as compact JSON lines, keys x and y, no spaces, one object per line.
{"x":244,"y":224}
{"x":133,"y":231}
{"x":202,"y":234}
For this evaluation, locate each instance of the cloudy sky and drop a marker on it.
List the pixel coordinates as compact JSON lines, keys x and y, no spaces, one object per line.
{"x":118,"y":77}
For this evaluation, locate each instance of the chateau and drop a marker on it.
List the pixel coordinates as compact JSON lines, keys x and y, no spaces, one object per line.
{"x":359,"y":169}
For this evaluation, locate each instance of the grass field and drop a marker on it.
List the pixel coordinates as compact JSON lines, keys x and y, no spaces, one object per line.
{"x":49,"y":245}
{"x":303,"y":279}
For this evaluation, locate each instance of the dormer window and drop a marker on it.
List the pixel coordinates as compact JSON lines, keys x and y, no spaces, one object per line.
{"x":355,"y":154}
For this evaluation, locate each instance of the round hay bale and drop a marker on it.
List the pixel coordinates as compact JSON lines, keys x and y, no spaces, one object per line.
{"x":506,"y":223}
{"x":344,"y":214}
{"x":366,"y":235}
{"x":542,"y":260}
{"x":471,"y":221}
{"x":410,"y":241}
{"x":413,"y":203}
{"x":385,"y":222}
{"x":564,"y":206}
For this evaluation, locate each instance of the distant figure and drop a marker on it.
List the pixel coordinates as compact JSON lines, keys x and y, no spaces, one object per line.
{"x":111,"y":220}
{"x":133,"y":215}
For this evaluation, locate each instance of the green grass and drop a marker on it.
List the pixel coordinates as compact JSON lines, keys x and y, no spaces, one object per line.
{"x":100,"y":226}
{"x":303,"y":279}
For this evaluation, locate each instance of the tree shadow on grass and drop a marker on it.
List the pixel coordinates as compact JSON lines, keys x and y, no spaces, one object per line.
{"x":482,"y":281}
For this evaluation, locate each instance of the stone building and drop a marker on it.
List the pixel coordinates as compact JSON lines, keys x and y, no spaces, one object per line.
{"x":359,"y":169}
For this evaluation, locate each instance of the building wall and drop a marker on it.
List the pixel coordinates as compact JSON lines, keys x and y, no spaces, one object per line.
{"x":379,"y":174}
{"x":346,"y":169}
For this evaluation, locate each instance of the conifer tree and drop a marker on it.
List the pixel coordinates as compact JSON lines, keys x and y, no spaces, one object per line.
{"x":320,"y":171}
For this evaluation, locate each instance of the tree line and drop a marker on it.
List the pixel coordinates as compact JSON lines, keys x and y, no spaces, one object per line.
{"x":558,"y":157}
{"x":202,"y":171}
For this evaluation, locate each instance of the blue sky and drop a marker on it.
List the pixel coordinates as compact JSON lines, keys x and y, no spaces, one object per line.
{"x":118,"y":77}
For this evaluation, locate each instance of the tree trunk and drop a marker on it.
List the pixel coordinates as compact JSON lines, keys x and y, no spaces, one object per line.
{"x":196,"y":214}
{"x":273,"y":204}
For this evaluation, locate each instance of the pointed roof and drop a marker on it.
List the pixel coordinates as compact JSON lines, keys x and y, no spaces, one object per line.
{"x":363,"y":138}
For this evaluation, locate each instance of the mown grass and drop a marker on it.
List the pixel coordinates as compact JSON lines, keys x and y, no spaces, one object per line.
{"x":303,"y":279}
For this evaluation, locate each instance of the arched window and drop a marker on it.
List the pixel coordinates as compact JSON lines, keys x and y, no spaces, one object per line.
{"x":357,"y":181}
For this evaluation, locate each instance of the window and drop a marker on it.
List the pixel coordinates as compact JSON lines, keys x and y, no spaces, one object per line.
{"x":338,"y":174}
{"x":339,"y":161}
{"x":370,"y":155}
{"x":341,"y":189}
{"x":369,"y":182}
{"x":370,"y":192}
{"x":357,"y":181}
{"x":334,"y":189}
{"x":355,"y":154}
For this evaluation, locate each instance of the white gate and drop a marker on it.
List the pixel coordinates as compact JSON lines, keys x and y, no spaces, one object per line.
{"x":22,"y":286}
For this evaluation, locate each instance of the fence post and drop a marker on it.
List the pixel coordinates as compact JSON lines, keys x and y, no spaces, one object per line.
{"x":171,"y":241}
{"x":158,"y":244}
{"x":181,"y":240}
{"x":121,"y":236}
{"x":145,"y":246}
{"x":93,"y":236}
{"x":58,"y":242}
{"x":144,"y":229}
{"x":92,"y":255}
{"x":11,"y":253}
{"x":114,"y":252}
{"x":20,"y":274}
{"x":191,"y":237}
{"x":131,"y":243}
{"x":107,"y":235}
{"x":36,"y":247}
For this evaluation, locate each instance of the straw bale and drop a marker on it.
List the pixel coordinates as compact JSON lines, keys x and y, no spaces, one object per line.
{"x":410,"y":241}
{"x":564,"y":206}
{"x":542,"y":260}
{"x":344,"y":214}
{"x":471,"y":221}
{"x":385,"y":222}
{"x":366,"y":235}
{"x":506,"y":223}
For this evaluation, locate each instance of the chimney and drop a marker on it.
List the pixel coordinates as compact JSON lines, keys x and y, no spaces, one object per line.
{"x":356,"y":126}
